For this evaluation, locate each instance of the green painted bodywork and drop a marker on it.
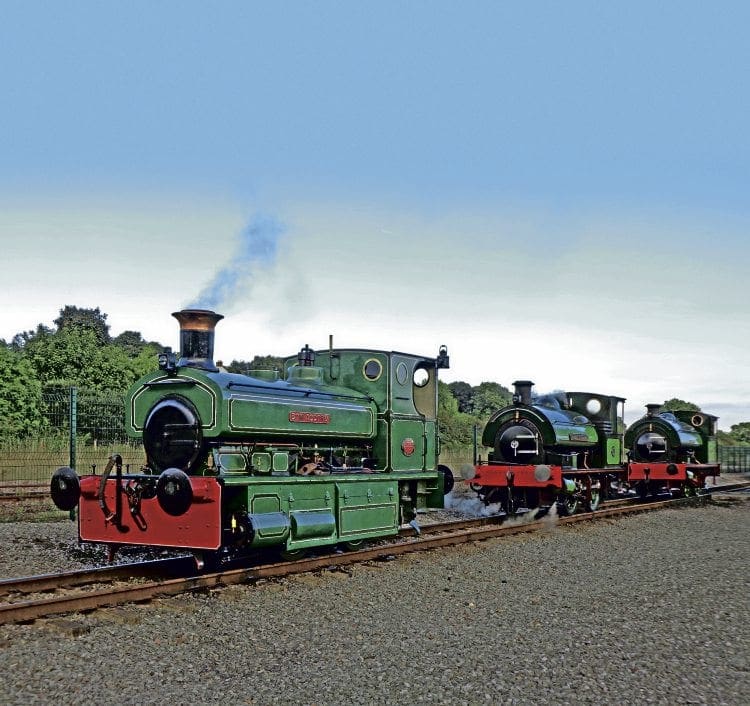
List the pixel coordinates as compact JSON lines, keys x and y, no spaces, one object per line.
{"x":240,"y":407}
{"x":325,"y":509}
{"x":258,"y":433}
{"x":376,"y":414}
{"x":558,"y":428}
{"x":712,"y":451}
{"x":706,"y":426}
{"x":685,"y":430}
{"x":614,"y":452}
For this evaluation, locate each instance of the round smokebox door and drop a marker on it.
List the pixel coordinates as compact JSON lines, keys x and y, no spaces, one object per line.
{"x":651,"y":446}
{"x":172,"y":435}
{"x":519,"y":444}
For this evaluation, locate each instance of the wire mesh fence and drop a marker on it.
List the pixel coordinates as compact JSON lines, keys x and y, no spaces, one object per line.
{"x":81,"y":429}
{"x":734,"y":459}
{"x":78,"y":429}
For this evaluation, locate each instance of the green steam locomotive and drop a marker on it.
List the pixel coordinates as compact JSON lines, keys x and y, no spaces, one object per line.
{"x":342,"y":449}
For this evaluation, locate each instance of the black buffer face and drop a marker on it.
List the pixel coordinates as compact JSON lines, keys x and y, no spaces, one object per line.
{"x":65,"y":488}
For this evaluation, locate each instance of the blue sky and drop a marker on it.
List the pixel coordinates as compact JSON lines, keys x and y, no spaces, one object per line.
{"x":557,"y":191}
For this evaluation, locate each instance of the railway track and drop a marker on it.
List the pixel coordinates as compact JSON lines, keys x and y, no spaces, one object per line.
{"x":184,"y":566}
{"x":15,"y":492}
{"x":182,"y":578}
{"x":101,"y":575}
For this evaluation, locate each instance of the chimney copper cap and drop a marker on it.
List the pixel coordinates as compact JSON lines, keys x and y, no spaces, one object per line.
{"x":197,"y":319}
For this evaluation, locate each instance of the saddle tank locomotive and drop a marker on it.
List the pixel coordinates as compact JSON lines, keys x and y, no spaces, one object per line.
{"x":342,"y":449}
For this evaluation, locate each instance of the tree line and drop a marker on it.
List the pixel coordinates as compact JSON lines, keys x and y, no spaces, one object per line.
{"x":80,"y":351}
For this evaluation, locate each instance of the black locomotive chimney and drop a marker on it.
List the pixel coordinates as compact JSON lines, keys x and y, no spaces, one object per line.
{"x":652,"y":410}
{"x":197,"y":338}
{"x":522,"y":393}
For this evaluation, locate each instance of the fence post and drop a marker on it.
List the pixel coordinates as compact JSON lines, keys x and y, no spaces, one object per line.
{"x":73,"y":417}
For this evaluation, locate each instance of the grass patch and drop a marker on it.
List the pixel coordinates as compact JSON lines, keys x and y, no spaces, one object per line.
{"x":37,"y":459}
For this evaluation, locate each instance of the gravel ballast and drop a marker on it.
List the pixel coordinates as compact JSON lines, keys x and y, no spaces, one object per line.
{"x":645,"y":609}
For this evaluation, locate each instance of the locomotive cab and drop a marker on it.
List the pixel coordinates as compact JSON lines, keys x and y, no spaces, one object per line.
{"x":606,"y":413}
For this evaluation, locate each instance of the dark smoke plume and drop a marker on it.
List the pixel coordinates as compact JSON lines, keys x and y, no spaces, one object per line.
{"x":256,"y":249}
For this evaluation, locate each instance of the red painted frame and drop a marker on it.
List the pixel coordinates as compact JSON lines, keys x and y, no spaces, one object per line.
{"x":522,"y":476}
{"x":659,"y":472}
{"x":198,"y":528}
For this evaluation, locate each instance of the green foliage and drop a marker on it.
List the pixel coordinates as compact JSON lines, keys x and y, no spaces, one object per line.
{"x":20,"y":340}
{"x":489,"y":397}
{"x":675,"y":403}
{"x":133,"y":343}
{"x":101,"y":417}
{"x":456,"y":428}
{"x":259,"y":362}
{"x":464,"y":395}
{"x":740,"y":433}
{"x":65,"y":358}
{"x":75,"y":356}
{"x":462,"y":407}
{"x":20,"y":396}
{"x":90,"y":319}
{"x":146,"y":361}
{"x":726,"y":438}
{"x":481,"y":400}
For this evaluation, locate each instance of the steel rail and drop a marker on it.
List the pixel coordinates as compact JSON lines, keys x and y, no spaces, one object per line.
{"x":730,"y":487}
{"x":104,"y":574}
{"x":441,"y":537}
{"x":10,"y":491}
{"x":42,"y":494}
